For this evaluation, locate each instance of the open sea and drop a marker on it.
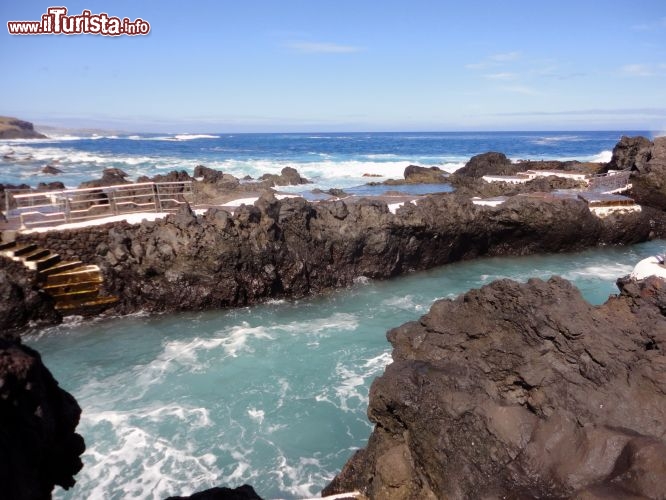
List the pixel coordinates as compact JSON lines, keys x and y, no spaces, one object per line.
{"x":329,"y":160}
{"x":274,"y":395}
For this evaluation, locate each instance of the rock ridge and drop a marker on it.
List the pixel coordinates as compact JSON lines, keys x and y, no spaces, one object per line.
{"x":521,"y":391}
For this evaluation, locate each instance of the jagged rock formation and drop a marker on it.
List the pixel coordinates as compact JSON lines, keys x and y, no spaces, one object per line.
{"x":38,"y":446}
{"x":289,"y":176}
{"x":648,"y":163}
{"x":13,"y":128}
{"x":110,"y":177}
{"x":521,"y":391}
{"x":292,"y":248}
{"x":21,"y":299}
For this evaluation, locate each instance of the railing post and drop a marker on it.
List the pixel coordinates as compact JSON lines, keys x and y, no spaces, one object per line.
{"x":158,"y":200}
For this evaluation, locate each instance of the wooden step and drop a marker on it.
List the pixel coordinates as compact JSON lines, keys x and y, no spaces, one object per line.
{"x":86,"y":307}
{"x":19,"y":250}
{"x":49,"y":261}
{"x":68,"y":265}
{"x":76,"y":296}
{"x":72,"y":287}
{"x":37,"y":254}
{"x":83,"y":273}
{"x":7,"y":246}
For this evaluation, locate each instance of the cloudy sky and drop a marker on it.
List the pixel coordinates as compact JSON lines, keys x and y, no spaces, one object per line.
{"x":340,"y":65}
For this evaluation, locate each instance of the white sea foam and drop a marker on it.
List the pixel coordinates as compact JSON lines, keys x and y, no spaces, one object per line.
{"x":189,"y":137}
{"x":140,"y":461}
{"x":555,"y":139}
{"x":606,"y":272}
{"x":256,"y":415}
{"x":406,"y":302}
{"x":300,"y":478}
{"x":352,"y":381}
{"x":603,"y":157}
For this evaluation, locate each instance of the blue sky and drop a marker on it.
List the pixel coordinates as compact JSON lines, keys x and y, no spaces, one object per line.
{"x":306,"y":65}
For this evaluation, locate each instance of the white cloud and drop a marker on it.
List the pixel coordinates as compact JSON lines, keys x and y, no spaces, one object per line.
{"x":501,"y":76}
{"x":507,"y":56}
{"x":637,"y":70}
{"x":520,"y":89}
{"x":322,"y":48}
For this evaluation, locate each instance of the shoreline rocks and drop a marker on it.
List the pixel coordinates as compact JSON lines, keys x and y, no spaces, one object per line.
{"x":482,"y":384}
{"x":291,"y":248}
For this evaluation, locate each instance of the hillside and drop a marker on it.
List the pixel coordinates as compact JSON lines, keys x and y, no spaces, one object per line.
{"x":13,"y":128}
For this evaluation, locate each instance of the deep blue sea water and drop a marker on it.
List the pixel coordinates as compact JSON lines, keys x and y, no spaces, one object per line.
{"x":273,"y":395}
{"x":330,"y":160}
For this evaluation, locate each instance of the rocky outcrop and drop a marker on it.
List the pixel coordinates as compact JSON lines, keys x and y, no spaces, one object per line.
{"x":13,"y":128}
{"x":39,"y":448}
{"x":415,"y":174}
{"x":244,"y":492}
{"x":289,"y":176}
{"x":648,"y":178}
{"x":521,"y":391}
{"x":491,"y":163}
{"x":291,"y":248}
{"x":498,"y":164}
{"x":21,"y":300}
{"x":110,"y":177}
{"x":471,"y":186}
{"x":630,"y":152}
{"x":50,"y":170}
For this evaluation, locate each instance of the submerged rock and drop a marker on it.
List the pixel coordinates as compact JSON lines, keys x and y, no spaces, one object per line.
{"x":521,"y":391}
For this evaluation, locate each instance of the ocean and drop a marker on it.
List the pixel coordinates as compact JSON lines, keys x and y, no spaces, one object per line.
{"x":273,"y":395}
{"x":329,"y":160}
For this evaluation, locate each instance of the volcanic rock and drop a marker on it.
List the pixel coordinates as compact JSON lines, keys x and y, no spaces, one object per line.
{"x":21,"y":300}
{"x":39,"y":447}
{"x":631,"y":152}
{"x":491,"y":163}
{"x":649,"y":178}
{"x":244,"y":492}
{"x":288,"y":177}
{"x":292,"y":248}
{"x":51,"y":170}
{"x":110,"y":177}
{"x":521,"y":391}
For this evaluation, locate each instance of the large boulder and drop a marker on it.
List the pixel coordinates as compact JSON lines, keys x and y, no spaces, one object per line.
{"x":649,"y":177}
{"x":521,"y":391}
{"x":491,"y":163}
{"x":423,"y":175}
{"x":630,"y":152}
{"x":289,"y":176}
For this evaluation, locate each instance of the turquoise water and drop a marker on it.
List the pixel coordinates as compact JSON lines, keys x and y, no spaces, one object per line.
{"x":274,"y":395}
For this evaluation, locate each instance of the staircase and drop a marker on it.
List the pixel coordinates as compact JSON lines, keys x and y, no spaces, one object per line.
{"x":74,"y":286}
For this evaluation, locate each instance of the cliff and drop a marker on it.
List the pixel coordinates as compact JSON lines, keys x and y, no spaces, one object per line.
{"x":13,"y":128}
{"x":521,"y":391}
